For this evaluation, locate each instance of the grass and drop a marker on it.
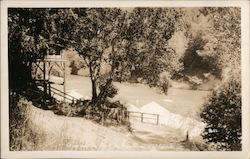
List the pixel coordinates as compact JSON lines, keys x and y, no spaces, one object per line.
{"x":22,"y":136}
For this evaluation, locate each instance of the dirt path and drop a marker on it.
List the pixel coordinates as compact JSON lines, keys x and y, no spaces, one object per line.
{"x":164,"y":137}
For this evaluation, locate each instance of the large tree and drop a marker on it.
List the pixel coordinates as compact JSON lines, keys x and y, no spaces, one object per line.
{"x":222,"y":114}
{"x":131,"y":43}
{"x":98,"y":41}
{"x":222,"y":111}
{"x":223,"y":39}
{"x":147,"y":33}
{"x":33,"y":33}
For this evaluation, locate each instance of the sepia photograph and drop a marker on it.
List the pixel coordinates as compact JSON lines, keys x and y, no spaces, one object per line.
{"x":125,"y":78}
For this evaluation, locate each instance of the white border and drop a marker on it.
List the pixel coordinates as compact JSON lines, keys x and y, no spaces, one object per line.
{"x":244,"y":154}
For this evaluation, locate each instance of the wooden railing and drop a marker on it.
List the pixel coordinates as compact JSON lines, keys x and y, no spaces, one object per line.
{"x":144,"y":117}
{"x":54,"y":91}
{"x":63,"y":94}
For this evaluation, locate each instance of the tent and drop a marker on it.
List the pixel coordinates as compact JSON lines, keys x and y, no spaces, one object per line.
{"x":173,"y":120}
{"x":154,"y":108}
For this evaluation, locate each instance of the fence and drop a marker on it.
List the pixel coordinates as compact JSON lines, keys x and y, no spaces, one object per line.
{"x":63,"y":95}
{"x":144,"y":117}
{"x":56,"y":93}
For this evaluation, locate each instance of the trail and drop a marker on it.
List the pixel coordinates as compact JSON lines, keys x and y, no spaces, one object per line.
{"x":162,"y":137}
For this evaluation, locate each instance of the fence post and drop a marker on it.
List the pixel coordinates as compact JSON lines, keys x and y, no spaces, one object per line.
{"x":157,"y":119}
{"x":187,"y":136}
{"x":49,"y":88}
{"x":102,"y":119}
{"x":128,"y":116}
{"x":64,"y":80}
{"x":142,"y":117}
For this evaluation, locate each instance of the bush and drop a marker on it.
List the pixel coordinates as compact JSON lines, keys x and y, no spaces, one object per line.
{"x":163,"y":82}
{"x":222,"y":114}
{"x":22,"y":137}
{"x":114,"y":113}
{"x":64,"y":108}
{"x":196,"y":145}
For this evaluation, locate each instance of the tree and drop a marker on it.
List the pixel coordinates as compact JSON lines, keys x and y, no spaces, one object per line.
{"x":223,"y":46}
{"x":222,"y":114}
{"x":33,"y":33}
{"x":98,"y":40}
{"x":75,"y":61}
{"x":147,"y":53}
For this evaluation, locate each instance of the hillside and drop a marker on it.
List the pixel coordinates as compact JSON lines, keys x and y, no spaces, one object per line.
{"x":71,"y":133}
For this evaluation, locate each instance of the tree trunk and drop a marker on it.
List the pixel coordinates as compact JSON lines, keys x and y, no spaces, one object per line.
{"x":94,"y":92}
{"x":93,"y":82}
{"x":102,"y":96}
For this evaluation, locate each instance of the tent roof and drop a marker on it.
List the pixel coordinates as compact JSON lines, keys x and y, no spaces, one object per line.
{"x":154,"y":108}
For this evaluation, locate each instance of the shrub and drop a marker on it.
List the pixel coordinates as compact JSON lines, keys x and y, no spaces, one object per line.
{"x":115,"y":113}
{"x":22,"y":137}
{"x":163,"y":82}
{"x":194,"y":81}
{"x":64,"y":108}
{"x":196,"y":145}
{"x":222,"y":114}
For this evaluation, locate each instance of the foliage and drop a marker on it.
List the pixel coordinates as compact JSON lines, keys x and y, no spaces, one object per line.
{"x":97,"y":35}
{"x":147,"y":53}
{"x":22,"y":137}
{"x":75,"y":61}
{"x":121,"y":45}
{"x":222,"y":111}
{"x":222,"y":114}
{"x":211,"y":42}
{"x":196,"y":145}
{"x":33,"y":33}
{"x":223,"y":46}
{"x":67,"y":109}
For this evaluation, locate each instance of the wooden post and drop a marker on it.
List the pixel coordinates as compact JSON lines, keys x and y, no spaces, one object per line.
{"x":44,"y":79}
{"x":102,"y":120}
{"x":142,"y":117}
{"x":49,"y":89}
{"x":157,"y":119}
{"x":64,"y":80}
{"x":187,"y":136}
{"x":128,"y":116}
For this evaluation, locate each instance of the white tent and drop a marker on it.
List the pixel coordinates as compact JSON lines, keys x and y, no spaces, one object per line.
{"x":173,"y":120}
{"x":154,"y":108}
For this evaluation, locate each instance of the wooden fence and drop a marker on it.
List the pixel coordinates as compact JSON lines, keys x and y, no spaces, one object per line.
{"x":144,"y":117}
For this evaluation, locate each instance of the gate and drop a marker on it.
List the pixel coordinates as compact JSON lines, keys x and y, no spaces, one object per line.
{"x":144,"y":117}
